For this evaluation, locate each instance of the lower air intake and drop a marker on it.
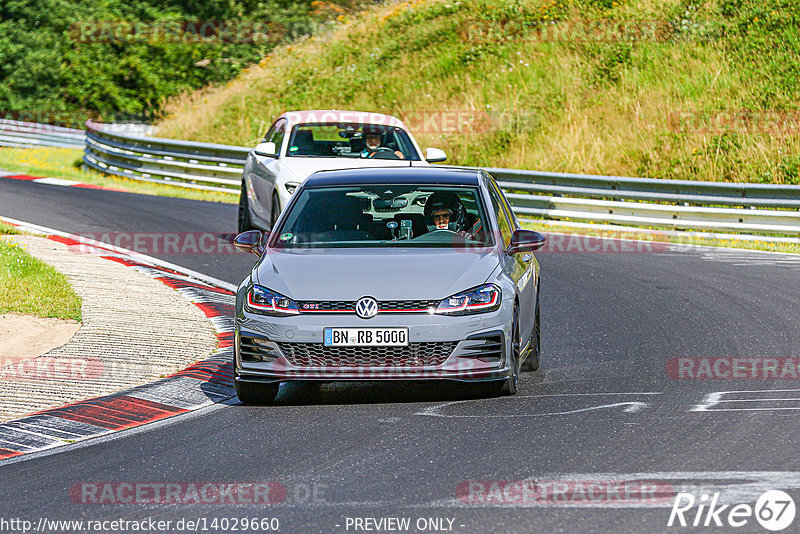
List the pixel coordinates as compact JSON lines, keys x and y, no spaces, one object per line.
{"x":414,"y":355}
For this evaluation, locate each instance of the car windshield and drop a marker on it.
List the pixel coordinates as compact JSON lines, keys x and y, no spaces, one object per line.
{"x":386,"y":216}
{"x":351,"y":140}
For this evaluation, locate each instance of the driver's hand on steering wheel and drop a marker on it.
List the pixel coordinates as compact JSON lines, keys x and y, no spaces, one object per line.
{"x":386,"y":149}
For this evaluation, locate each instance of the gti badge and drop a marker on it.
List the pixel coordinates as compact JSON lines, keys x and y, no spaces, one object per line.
{"x":367,"y":307}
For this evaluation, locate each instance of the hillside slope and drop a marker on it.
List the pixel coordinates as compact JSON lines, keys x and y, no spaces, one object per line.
{"x":64,"y":60}
{"x":680,"y":89}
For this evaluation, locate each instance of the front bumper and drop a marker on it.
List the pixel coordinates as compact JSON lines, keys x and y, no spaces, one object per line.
{"x":463,"y":363}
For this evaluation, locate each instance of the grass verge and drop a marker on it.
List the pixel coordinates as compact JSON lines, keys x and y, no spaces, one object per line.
{"x":66,"y":163}
{"x":625,"y":233}
{"x":29,"y":286}
{"x":7,"y":229}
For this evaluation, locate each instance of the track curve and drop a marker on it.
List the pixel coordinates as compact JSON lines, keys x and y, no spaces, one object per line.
{"x":602,"y":407}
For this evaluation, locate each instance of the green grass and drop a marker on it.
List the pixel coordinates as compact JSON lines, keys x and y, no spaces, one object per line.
{"x":767,"y":246}
{"x":66,"y":163}
{"x":571,"y":105}
{"x":31,"y":287}
{"x":7,"y":229}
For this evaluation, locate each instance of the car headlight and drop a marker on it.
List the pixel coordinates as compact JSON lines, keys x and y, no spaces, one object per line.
{"x":481,"y":299}
{"x":291,"y":187}
{"x":263,"y":300}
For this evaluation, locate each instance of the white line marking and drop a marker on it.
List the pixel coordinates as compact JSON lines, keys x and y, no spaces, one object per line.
{"x":757,"y":400}
{"x":632,"y":406}
{"x":55,"y":181}
{"x":713,"y":399}
{"x":587,"y":394}
{"x":750,"y":409}
{"x":130,"y":253}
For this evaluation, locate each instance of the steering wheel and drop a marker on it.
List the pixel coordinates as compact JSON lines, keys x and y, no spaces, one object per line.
{"x":443,"y":230}
{"x":384,"y":151}
{"x":464,"y":234}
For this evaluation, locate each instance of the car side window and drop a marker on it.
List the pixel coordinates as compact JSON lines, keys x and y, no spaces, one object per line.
{"x":509,"y":212}
{"x":506,"y":228}
{"x":270,"y":133}
{"x":279,"y":134}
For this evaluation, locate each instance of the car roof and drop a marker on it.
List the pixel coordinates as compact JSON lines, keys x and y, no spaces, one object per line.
{"x":395,"y":175}
{"x":339,"y":115}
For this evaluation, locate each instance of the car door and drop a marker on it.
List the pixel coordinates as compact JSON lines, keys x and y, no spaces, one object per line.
{"x":520,"y":266}
{"x":264,"y":172}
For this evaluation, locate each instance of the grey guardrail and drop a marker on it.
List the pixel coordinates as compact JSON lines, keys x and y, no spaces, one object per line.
{"x":622,"y":187}
{"x":207,"y":166}
{"x":678,"y":204}
{"x":19,"y":134}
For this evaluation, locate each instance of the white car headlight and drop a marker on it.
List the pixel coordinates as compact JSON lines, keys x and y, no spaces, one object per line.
{"x":268,"y":302}
{"x":481,"y":299}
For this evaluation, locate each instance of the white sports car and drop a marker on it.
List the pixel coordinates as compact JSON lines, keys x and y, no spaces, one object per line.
{"x":300,"y":143}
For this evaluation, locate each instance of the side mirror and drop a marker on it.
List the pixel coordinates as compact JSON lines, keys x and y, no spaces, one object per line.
{"x":434,"y":155}
{"x":251,"y":241}
{"x":525,"y":241}
{"x":266,"y":149}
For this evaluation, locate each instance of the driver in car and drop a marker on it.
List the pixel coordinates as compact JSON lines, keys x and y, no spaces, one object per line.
{"x":441,"y":218}
{"x":444,"y":211}
{"x":373,"y":148}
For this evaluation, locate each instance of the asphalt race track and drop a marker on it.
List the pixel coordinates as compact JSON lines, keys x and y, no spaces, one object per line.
{"x":604,"y":409}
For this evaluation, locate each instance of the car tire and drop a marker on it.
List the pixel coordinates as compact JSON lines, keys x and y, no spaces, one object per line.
{"x":275,"y":210}
{"x":255,"y":393}
{"x":511,"y":384}
{"x":245,"y":223}
{"x":531,"y":363}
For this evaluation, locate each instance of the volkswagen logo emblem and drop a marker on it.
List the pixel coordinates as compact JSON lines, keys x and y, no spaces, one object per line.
{"x":367,"y":307}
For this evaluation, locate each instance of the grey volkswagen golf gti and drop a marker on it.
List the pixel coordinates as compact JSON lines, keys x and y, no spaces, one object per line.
{"x":389,"y":274}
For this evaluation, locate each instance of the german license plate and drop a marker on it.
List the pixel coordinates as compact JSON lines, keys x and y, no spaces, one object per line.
{"x":365,"y":337}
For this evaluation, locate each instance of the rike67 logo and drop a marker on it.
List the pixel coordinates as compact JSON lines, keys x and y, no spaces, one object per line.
{"x":774,"y":510}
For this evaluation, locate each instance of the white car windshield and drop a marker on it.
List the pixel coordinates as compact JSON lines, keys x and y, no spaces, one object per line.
{"x":350,"y":140}
{"x":386,"y":216}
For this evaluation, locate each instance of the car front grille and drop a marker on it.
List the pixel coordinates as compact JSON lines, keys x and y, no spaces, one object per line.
{"x":326,"y":306}
{"x":384,"y":306}
{"x":406,"y":305}
{"x":414,"y":355}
